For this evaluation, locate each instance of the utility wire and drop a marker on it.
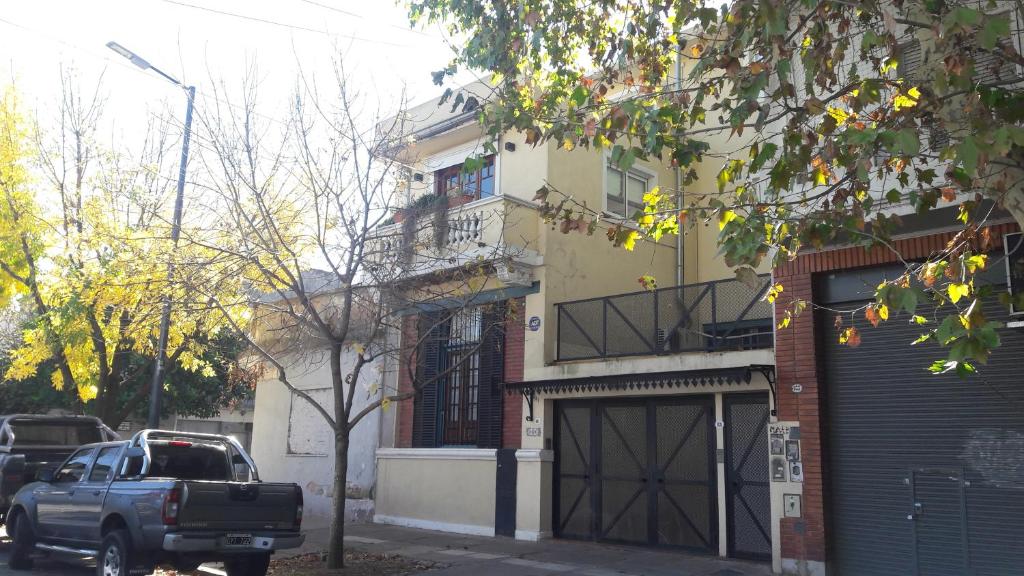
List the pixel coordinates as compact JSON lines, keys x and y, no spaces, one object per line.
{"x":282,"y":24}
{"x":361,"y":17}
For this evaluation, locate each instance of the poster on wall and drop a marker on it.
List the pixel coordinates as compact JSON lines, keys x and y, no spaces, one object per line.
{"x":1015,"y":268}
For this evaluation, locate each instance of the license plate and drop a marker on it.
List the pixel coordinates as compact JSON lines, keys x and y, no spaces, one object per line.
{"x":239,"y":539}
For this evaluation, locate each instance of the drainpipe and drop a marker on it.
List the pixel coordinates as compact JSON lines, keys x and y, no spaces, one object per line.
{"x":680,"y":241}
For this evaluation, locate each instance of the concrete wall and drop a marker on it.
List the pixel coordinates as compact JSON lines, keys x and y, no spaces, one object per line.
{"x":293,"y":443}
{"x":448,"y":489}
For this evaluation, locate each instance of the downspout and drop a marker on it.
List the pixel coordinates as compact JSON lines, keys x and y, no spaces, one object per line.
{"x":680,"y":240}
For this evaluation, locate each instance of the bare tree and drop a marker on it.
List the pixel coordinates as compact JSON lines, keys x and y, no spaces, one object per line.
{"x":304,"y":236}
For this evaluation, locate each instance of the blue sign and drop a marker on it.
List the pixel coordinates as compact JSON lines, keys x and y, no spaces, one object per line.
{"x":534,"y":323}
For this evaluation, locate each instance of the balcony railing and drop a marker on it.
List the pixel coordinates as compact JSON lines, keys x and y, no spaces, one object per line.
{"x":495,"y":229}
{"x":724,"y":315}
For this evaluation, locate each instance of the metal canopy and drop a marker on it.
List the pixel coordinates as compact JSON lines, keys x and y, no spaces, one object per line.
{"x":646,"y":381}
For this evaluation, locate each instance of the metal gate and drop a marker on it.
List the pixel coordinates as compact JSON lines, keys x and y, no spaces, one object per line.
{"x":747,"y":504}
{"x":926,"y":471}
{"x":637,"y":471}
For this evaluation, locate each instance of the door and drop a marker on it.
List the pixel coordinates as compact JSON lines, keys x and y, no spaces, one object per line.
{"x":53,"y":505}
{"x":624,"y":477}
{"x":747,"y":492}
{"x":505,"y":493}
{"x":637,"y":471}
{"x":86,"y":504}
{"x":940,"y":524}
{"x":926,"y":471}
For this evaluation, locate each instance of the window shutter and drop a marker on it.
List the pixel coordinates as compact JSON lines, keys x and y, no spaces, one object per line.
{"x":492,"y":375}
{"x":425,"y":432}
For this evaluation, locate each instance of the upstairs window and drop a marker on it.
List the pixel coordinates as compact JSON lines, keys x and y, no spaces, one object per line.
{"x":624,"y":191}
{"x":479,"y":183}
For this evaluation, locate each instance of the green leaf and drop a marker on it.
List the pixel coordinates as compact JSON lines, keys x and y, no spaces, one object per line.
{"x":967,"y":152}
{"x":907,"y":142}
{"x":763,"y":156}
{"x":994,"y":29}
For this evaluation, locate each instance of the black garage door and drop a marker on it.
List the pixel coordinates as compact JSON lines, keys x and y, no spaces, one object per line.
{"x":637,"y":471}
{"x":927,"y":472}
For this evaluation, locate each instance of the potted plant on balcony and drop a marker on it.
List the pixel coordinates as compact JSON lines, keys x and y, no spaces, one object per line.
{"x":418,"y":205}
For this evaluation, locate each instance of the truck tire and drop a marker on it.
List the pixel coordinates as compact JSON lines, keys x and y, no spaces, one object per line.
{"x":250,"y":565}
{"x":115,"y":557}
{"x":24,"y":543}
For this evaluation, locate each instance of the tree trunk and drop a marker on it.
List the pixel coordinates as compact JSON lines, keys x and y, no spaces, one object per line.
{"x":335,"y":547}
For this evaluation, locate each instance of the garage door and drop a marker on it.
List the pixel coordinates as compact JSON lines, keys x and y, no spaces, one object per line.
{"x":927,"y":472}
{"x":637,"y":471}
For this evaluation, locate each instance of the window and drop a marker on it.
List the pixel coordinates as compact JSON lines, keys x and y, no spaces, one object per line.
{"x":190,"y":461}
{"x":74,"y":469}
{"x":460,"y":361}
{"x":54,"y":433}
{"x":104,"y":464}
{"x":479,"y":183}
{"x":625,"y":191}
{"x":308,"y":433}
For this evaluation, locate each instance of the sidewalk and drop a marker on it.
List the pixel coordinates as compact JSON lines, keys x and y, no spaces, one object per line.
{"x":474,"y":555}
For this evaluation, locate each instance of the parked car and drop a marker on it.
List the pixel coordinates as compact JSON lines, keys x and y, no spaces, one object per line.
{"x":33,"y":442}
{"x":161,"y":498}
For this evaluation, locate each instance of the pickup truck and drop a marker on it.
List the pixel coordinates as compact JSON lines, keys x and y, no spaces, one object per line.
{"x":161,"y":498}
{"x":33,"y":442}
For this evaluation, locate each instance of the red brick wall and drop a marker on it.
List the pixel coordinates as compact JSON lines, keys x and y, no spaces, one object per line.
{"x":515,"y":336}
{"x":797,"y":362}
{"x":407,"y":359}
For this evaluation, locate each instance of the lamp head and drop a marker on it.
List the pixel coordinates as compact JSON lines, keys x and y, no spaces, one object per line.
{"x":131,"y":56}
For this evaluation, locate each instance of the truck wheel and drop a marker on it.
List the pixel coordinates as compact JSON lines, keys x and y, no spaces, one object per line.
{"x":115,"y":558}
{"x":23,"y":545}
{"x":253,"y":565}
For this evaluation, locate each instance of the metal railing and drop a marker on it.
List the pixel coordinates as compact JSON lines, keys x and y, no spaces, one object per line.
{"x":723,"y":315}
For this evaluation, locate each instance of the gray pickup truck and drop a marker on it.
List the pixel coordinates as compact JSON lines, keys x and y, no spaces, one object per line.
{"x":161,"y":498}
{"x":33,"y":442}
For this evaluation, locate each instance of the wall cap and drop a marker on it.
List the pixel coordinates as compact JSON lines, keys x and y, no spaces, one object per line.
{"x":437,"y":454}
{"x":535,"y":455}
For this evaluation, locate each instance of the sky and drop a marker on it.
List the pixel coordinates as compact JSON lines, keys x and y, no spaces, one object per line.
{"x":201,"y":42}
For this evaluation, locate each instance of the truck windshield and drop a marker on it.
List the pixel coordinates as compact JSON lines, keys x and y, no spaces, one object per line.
{"x":54,"y":433}
{"x":188,"y":461}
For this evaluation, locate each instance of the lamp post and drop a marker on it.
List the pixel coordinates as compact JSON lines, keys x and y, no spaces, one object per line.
{"x":156,"y":390}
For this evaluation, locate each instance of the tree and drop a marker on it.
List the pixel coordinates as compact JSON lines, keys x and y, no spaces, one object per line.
{"x":83,"y":245}
{"x":822,"y":116}
{"x":305,"y":243}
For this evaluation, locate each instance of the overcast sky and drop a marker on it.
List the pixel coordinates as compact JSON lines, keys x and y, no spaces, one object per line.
{"x":195,"y":40}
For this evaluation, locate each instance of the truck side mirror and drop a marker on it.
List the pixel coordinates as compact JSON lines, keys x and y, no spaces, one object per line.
{"x":45,"y":475}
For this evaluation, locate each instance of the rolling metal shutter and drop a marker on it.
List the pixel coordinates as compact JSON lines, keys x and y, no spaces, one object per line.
{"x":926,"y":471}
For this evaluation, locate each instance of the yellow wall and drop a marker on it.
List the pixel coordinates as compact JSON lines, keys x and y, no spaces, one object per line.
{"x":443,"y":489}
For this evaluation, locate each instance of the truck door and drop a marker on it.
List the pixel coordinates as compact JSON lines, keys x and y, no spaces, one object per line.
{"x":53,"y":503}
{"x":87,"y":497}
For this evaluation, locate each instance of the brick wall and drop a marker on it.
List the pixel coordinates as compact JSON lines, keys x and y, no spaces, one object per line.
{"x":515,"y":337}
{"x":796,"y":361}
{"x":407,"y":360}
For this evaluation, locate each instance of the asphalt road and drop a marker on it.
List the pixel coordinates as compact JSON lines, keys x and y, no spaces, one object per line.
{"x":43,"y":567}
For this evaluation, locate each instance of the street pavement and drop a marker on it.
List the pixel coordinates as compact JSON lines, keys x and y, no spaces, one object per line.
{"x":460,"y":555}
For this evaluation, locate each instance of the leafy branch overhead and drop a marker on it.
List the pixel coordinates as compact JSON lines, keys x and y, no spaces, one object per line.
{"x":820,"y":122}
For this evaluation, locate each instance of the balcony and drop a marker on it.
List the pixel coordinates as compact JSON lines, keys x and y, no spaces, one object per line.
{"x":725,"y":315}
{"x":501,"y":231}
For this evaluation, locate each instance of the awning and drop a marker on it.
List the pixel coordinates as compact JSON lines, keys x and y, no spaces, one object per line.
{"x":646,"y":381}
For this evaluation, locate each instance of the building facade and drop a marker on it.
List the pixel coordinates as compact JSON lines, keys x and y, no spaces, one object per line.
{"x":580,"y":405}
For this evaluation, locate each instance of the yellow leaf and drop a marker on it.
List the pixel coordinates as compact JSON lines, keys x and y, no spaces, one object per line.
{"x":725,"y":217}
{"x":958,"y":291}
{"x":630,"y":242}
{"x":908,"y":100}
{"x":838,"y":114}
{"x":883,"y":312}
{"x":385,"y":404}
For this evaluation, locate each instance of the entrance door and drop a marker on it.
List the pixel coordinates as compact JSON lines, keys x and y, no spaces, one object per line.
{"x":940,"y":527}
{"x":637,"y":471}
{"x":747,"y":493}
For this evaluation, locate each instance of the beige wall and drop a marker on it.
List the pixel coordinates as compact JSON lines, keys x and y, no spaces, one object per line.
{"x":292,"y":443}
{"x":448,"y":489}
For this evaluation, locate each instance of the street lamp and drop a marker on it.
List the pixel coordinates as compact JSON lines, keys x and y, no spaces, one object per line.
{"x":156,"y":389}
